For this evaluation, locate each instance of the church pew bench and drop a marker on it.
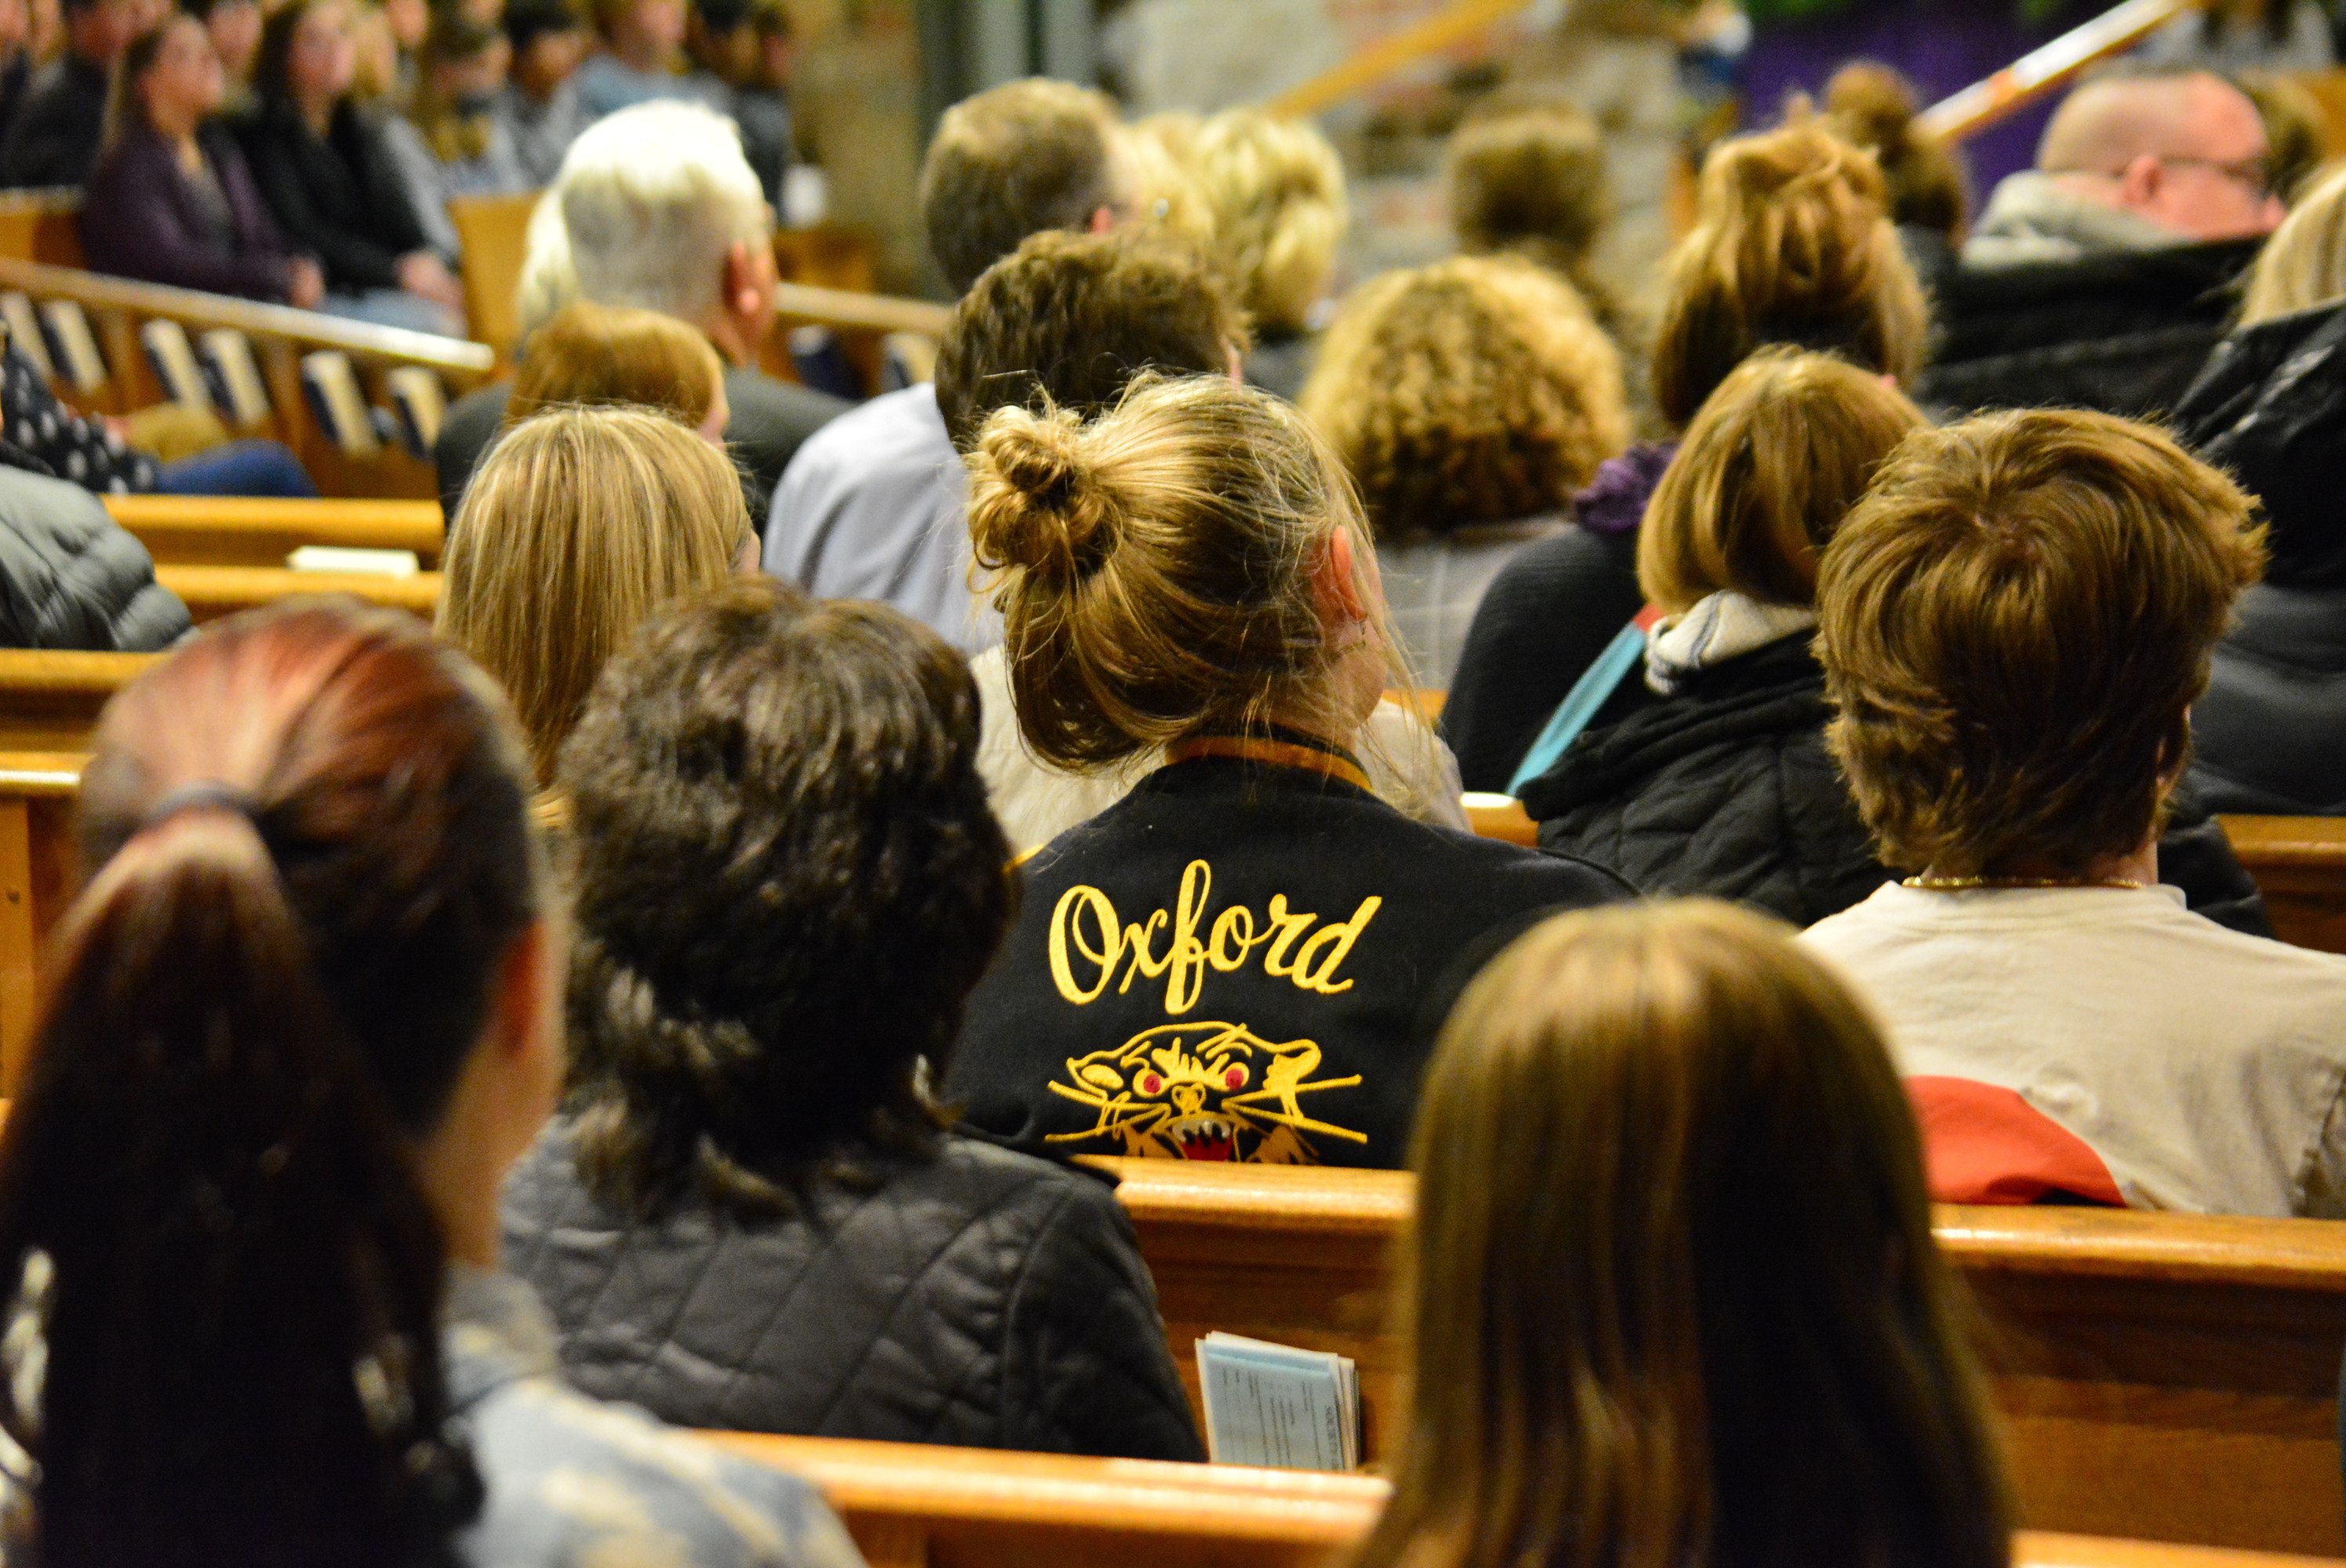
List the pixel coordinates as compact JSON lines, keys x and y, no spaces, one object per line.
{"x":2166,"y":1377}
{"x":911,"y":1505}
{"x":2300,"y":864}
{"x":49,"y":701}
{"x":262,"y":531}
{"x":213,"y":592}
{"x":36,"y":794}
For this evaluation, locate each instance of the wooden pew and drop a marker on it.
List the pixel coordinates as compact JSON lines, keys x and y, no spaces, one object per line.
{"x":913,"y":1506}
{"x":213,"y":592}
{"x":49,"y":701}
{"x":2300,"y":862}
{"x":2162,"y":1376}
{"x":253,"y":531}
{"x":36,"y":792}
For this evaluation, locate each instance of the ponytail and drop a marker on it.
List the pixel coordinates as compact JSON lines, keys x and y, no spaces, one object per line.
{"x":242,"y":1355}
{"x":221,"y":1276}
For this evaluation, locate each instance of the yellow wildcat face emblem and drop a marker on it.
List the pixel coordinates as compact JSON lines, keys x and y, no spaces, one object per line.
{"x":1203,"y":1090}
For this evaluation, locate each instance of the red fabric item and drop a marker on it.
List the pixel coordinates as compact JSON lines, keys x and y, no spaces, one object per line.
{"x":1982,"y":1144}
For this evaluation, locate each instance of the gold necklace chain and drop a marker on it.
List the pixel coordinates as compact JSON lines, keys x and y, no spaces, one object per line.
{"x":1966,"y":885}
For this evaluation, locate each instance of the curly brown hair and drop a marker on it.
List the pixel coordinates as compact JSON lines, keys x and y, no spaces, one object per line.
{"x":1479,"y":389}
{"x":1792,"y":244}
{"x":1928,"y":183}
{"x":1531,"y":178}
{"x":789,"y":880}
{"x":2014,"y":623}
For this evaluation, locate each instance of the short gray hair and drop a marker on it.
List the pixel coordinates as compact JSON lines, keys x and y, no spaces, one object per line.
{"x":652,"y":198}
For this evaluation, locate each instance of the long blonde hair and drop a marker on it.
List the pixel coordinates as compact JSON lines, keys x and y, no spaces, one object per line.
{"x":1672,"y":1297}
{"x":2304,"y":263}
{"x":1275,"y":188}
{"x":1154,"y":568}
{"x":579,"y":523}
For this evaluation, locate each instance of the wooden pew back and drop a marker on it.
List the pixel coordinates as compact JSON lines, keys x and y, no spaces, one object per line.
{"x":2163,"y":1376}
{"x":913,"y":1506}
{"x":212,"y":593}
{"x":49,"y":702}
{"x":250,"y":531}
{"x":2299,"y":863}
{"x":36,"y":795}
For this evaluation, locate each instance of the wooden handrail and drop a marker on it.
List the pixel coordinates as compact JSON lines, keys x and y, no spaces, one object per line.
{"x":465,"y":362}
{"x":860,"y":313}
{"x":1463,"y":20}
{"x":2047,"y":66}
{"x":262,"y":531}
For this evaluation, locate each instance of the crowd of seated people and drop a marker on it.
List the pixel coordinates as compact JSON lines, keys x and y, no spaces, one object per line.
{"x":687,"y":974}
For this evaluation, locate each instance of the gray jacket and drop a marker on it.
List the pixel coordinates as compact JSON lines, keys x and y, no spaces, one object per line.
{"x":978,"y":1298}
{"x":71,"y":577}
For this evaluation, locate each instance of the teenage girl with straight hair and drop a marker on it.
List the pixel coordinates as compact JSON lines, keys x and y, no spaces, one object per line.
{"x":300,"y":1021}
{"x":1233,"y":961}
{"x":1673,"y":1299}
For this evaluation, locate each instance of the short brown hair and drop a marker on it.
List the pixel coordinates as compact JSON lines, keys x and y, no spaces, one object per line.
{"x":1013,"y":161}
{"x":1474,"y":390}
{"x":2014,"y":623}
{"x":600,"y":355}
{"x":1875,"y":107}
{"x":579,"y":523}
{"x":1607,"y":1370}
{"x":802,"y":778}
{"x":1792,"y":244}
{"x":1531,"y":178}
{"x":1768,"y":470}
{"x":1153,"y":568}
{"x":1071,"y":319}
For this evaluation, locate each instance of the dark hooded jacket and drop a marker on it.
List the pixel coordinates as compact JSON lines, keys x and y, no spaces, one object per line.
{"x":2270,"y":736}
{"x":72,"y":577}
{"x":2124,"y":332}
{"x":1726,"y":790}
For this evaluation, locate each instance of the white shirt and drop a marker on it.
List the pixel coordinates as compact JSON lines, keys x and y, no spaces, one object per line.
{"x":1408,"y":765}
{"x":873,"y":506}
{"x":2204,"y":1066}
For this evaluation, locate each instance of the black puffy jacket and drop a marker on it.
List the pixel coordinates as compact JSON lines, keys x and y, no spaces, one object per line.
{"x":2122,"y":332}
{"x":71,"y":577}
{"x":2271,"y":733}
{"x":1727,"y":789}
{"x":978,"y":1298}
{"x":2270,"y":736}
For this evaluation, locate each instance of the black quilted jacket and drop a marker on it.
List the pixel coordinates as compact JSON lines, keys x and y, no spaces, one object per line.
{"x":70,"y":577}
{"x":980,"y":1297}
{"x":1727,"y":789}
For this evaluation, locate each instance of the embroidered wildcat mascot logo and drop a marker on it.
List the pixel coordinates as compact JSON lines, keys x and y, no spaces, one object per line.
{"x":1204,"y":1091}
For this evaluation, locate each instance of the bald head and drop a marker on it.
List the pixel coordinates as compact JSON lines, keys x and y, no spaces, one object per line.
{"x":2184,"y":151}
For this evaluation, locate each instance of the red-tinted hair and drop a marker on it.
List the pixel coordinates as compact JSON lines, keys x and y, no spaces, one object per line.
{"x":309,"y":849}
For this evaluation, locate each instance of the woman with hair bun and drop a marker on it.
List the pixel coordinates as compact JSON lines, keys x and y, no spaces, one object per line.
{"x":751,"y":1215}
{"x":1240,"y":958}
{"x":303,"y":1018}
{"x":1793,"y":245}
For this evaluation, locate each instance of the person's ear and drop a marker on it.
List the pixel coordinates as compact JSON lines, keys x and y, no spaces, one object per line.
{"x":1336,"y":581}
{"x":526,"y":1026}
{"x":2142,"y":181}
{"x":1103,"y":220}
{"x":742,"y":296}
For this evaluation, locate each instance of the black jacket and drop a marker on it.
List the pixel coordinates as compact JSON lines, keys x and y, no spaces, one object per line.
{"x":1726,"y":790}
{"x":71,"y":577}
{"x":766,"y":422}
{"x":1240,"y":962}
{"x":2270,"y":736}
{"x":2122,"y":332}
{"x":55,"y":136}
{"x":340,"y":198}
{"x":978,"y":1298}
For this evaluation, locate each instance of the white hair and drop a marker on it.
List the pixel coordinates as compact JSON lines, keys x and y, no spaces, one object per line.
{"x":547,"y":281}
{"x":652,"y":198}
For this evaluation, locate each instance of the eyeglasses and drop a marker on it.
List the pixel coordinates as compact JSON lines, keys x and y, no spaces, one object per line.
{"x":2252,"y":175}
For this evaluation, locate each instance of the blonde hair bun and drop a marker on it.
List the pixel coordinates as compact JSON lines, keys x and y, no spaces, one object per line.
{"x":1037,"y":501}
